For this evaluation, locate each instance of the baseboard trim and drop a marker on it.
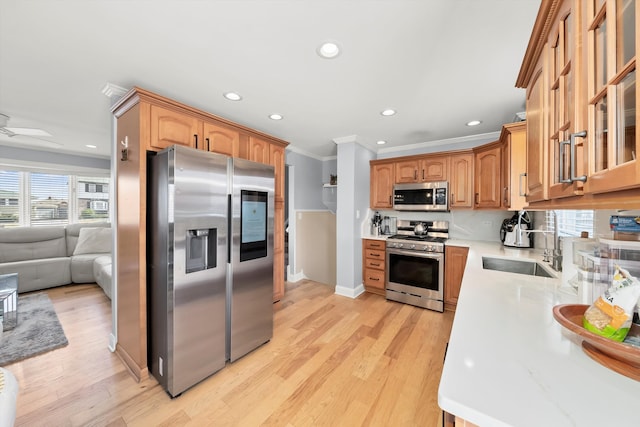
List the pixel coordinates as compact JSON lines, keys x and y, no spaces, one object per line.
{"x":291,"y":277}
{"x":350,"y":292}
{"x":139,"y":373}
{"x":112,"y":343}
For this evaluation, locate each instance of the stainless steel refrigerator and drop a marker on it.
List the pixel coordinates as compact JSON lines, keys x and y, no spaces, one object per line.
{"x":210,"y":250}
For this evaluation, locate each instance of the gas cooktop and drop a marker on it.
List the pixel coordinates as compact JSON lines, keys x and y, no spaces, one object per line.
{"x":421,"y":238}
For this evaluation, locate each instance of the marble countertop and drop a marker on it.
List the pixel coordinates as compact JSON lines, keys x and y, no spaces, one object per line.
{"x":509,"y":363}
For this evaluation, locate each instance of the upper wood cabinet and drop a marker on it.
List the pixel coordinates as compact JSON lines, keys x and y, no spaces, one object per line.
{"x":487,"y":176}
{"x":537,"y":147}
{"x":514,"y":144}
{"x":170,"y":127}
{"x":565,"y":92}
{"x":220,"y":139}
{"x":277,"y":160}
{"x":612,"y":47}
{"x":434,"y":168}
{"x":382,"y":178}
{"x":258,"y":150}
{"x":461,"y":181}
{"x":406,"y":171}
{"x":422,"y":169}
{"x":580,"y":74}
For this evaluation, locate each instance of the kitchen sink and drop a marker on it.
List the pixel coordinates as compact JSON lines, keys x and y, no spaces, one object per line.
{"x":530,"y":268}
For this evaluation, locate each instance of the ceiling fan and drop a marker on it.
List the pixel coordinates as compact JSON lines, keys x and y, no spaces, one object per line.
{"x":28,"y":132}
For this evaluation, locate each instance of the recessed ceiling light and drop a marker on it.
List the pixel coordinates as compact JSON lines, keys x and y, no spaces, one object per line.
{"x":474,"y":123}
{"x":275,"y":117}
{"x":381,"y":142}
{"x":90,"y":146}
{"x":328,"y":50}
{"x":388,"y":112}
{"x":232,"y":96}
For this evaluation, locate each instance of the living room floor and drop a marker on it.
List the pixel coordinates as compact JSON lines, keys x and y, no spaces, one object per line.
{"x":332,"y":361}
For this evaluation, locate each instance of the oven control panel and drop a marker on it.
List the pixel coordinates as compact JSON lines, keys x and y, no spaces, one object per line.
{"x":413,"y":246}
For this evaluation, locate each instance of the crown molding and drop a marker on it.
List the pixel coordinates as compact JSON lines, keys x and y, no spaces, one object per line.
{"x":300,"y":151}
{"x":482,"y":137}
{"x":114,"y":92}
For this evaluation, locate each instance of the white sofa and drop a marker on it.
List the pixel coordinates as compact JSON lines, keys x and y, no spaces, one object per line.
{"x":45,"y":257}
{"x":8,"y":398}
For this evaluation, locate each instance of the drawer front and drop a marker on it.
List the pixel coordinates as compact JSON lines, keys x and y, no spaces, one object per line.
{"x":374,"y":278}
{"x":377,"y":264}
{"x":375,"y":244}
{"x":374,"y":254}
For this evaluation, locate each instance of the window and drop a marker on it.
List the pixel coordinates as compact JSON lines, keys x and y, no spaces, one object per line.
{"x":92,"y":199}
{"x":38,"y":199}
{"x":571,"y":222}
{"x":49,"y":199}
{"x":10,"y":197}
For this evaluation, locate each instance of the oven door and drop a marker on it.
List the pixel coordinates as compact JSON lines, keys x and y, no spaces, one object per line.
{"x":415,"y":278}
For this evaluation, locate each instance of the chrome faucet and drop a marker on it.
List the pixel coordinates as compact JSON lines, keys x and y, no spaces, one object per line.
{"x":555,"y":257}
{"x":546,"y":255}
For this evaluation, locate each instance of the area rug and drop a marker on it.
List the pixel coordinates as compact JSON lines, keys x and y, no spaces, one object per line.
{"x":38,"y":330}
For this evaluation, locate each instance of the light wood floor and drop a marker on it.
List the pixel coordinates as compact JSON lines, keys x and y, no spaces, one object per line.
{"x":332,"y":361}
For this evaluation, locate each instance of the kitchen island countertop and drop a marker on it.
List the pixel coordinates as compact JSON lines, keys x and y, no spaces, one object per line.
{"x":509,"y":363}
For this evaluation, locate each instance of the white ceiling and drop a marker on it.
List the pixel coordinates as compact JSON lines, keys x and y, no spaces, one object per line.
{"x":439,"y":63}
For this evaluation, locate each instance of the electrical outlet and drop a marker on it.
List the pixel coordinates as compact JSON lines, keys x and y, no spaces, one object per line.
{"x":487,"y":223}
{"x":357,"y":213}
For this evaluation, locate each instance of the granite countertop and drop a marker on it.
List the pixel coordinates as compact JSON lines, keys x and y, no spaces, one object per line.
{"x":509,"y":363}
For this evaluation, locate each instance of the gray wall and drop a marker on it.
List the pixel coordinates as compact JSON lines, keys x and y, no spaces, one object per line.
{"x":353,"y":203}
{"x":33,"y":159}
{"x":307,"y":178}
{"x":329,"y":167}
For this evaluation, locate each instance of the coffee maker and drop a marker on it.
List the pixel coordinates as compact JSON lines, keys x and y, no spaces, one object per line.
{"x":514,"y":231}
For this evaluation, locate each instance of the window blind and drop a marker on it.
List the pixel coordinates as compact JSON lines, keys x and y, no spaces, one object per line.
{"x":571,"y":222}
{"x":10,"y":198}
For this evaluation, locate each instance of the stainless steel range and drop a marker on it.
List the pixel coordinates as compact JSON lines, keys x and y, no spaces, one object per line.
{"x":415,"y":263}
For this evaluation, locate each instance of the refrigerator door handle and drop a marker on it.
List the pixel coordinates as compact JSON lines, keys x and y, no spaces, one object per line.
{"x":229,"y":235}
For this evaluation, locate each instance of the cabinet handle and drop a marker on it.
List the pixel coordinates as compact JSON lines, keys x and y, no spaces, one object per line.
{"x":376,"y":255}
{"x":415,"y":174}
{"x":208,"y":147}
{"x":453,"y":199}
{"x":374,"y":279}
{"x":561,"y":161}
{"x":375,"y":264}
{"x":520,"y":186}
{"x":423,"y":174}
{"x":506,"y":200}
{"x":475,"y":198}
{"x":195,"y":137}
{"x":390,"y":201}
{"x":572,"y":146}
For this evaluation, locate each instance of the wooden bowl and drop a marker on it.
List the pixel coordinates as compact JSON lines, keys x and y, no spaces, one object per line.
{"x":617,"y":356}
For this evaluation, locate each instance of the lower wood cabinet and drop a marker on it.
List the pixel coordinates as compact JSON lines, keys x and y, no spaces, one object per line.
{"x":450,"y":420}
{"x":455,"y":261}
{"x":373,"y":265}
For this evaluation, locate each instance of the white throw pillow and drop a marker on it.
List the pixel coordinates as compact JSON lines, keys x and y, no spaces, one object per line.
{"x":93,"y":241}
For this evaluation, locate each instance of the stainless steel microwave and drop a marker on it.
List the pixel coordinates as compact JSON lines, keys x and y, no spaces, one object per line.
{"x":423,"y":196}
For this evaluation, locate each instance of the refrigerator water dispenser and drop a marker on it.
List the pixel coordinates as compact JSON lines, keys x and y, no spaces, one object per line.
{"x":201,"y":249}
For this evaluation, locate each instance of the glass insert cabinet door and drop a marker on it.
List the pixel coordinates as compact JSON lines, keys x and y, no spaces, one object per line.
{"x":611,"y":74}
{"x":566,"y":122}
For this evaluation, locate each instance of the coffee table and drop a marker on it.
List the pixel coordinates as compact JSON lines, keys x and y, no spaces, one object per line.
{"x":9,"y":301}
